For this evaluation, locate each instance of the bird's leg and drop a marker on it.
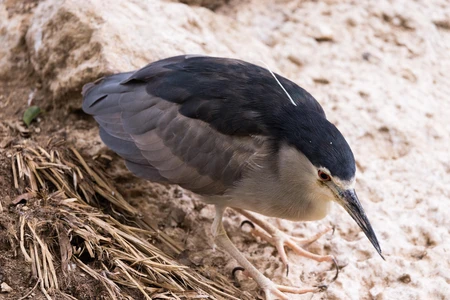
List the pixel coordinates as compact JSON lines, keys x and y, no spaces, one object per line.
{"x":270,"y":289}
{"x":280,"y":239}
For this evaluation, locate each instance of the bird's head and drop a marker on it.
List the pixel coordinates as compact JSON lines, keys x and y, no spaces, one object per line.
{"x":343,"y":192}
{"x":331,"y":166}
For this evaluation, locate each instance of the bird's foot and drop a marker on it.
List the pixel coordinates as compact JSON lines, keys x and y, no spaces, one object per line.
{"x":271,"y":290}
{"x":279,"y":290}
{"x":279,"y":239}
{"x":276,"y":291}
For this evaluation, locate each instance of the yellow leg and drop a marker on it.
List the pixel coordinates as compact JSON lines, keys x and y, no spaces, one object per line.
{"x":270,"y":289}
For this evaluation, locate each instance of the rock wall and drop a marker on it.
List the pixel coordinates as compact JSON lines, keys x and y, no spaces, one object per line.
{"x":73,"y":42}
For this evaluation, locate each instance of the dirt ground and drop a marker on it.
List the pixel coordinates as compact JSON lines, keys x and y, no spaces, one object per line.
{"x":381,"y":73}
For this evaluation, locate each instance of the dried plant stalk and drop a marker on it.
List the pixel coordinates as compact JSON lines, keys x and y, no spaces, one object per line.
{"x":64,"y":221}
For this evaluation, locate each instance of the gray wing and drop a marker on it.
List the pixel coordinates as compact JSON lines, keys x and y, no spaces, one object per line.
{"x":160,"y":144}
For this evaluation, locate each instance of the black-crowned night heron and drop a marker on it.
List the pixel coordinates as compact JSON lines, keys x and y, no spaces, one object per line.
{"x":237,"y":135}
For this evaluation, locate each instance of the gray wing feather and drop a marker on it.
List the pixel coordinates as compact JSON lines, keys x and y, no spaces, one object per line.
{"x":160,"y":144}
{"x":145,"y":171}
{"x":125,"y":148}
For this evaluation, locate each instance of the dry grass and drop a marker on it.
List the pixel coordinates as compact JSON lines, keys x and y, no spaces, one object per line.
{"x":63,"y":227}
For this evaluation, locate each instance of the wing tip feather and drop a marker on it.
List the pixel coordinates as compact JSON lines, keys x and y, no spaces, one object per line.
{"x":89,"y":86}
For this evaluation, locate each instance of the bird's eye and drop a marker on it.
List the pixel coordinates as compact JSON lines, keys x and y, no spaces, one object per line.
{"x":324,"y":176}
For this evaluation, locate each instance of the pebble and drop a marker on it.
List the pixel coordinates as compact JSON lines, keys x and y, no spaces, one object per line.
{"x":4,"y":288}
{"x":322,"y":33}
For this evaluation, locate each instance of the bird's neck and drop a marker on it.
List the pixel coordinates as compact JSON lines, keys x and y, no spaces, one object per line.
{"x":284,"y":186}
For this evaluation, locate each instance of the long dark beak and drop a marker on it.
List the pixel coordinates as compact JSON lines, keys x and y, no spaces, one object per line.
{"x":349,"y":200}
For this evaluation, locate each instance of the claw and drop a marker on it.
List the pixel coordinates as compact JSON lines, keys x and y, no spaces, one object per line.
{"x":337,"y":270}
{"x":322,"y":288}
{"x":233,"y":274}
{"x":247,"y":222}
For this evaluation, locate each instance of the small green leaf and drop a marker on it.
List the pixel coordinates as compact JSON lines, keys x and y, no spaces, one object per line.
{"x":30,"y":114}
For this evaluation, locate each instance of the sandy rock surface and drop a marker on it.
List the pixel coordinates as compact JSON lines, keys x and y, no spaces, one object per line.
{"x":12,"y":30}
{"x":73,"y":42}
{"x":381,"y":72}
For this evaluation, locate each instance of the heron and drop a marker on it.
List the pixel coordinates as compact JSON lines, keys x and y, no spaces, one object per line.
{"x":237,"y":135}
